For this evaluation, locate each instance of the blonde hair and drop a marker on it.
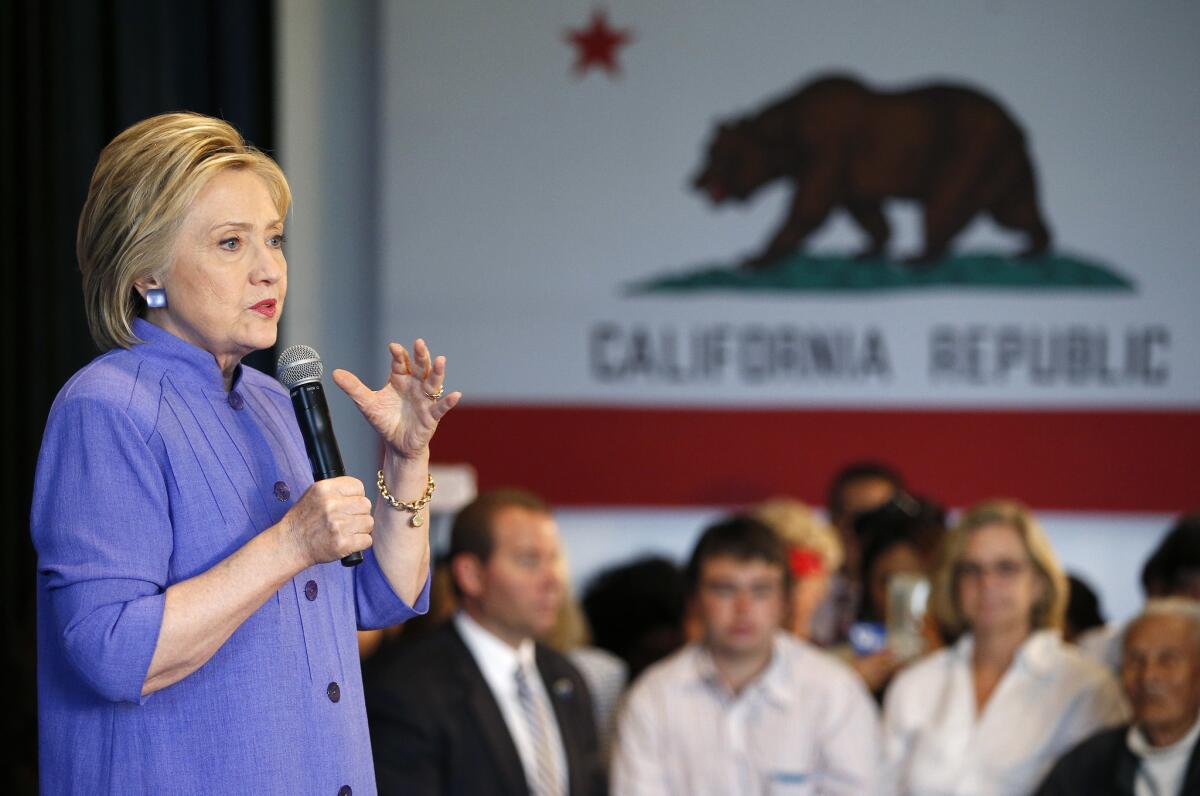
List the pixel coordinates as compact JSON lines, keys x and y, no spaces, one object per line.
{"x":1049,"y":610}
{"x":799,"y":526}
{"x":571,"y":628}
{"x":144,"y":183}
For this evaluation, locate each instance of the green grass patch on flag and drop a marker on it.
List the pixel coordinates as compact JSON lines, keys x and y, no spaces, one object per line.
{"x":805,"y":273}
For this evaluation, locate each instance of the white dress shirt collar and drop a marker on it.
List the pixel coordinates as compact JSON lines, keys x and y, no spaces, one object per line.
{"x":1161,"y":769}
{"x":498,"y":661}
{"x":1049,"y":699}
{"x":1037,"y":655}
{"x":772,"y":682}
{"x":496,"y":658}
{"x":1140,"y":745}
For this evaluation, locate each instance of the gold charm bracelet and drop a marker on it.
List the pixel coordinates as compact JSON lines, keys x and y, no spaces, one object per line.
{"x":413,"y":506}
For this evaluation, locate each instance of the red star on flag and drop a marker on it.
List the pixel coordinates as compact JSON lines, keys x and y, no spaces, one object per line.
{"x":597,"y":45}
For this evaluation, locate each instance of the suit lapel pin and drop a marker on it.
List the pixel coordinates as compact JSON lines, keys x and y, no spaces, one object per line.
{"x":563,"y":687}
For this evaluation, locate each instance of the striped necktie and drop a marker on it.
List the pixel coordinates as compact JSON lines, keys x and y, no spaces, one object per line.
{"x":544,"y":778}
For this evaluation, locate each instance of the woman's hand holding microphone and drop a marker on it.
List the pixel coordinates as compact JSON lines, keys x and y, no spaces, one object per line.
{"x":331,"y":520}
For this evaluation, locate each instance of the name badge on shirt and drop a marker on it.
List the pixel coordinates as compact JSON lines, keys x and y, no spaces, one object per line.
{"x":789,"y":777}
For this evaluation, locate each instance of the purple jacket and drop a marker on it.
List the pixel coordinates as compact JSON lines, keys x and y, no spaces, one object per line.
{"x":151,"y":473}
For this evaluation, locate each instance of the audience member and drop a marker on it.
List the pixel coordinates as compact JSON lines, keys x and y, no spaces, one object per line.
{"x":1154,"y":574}
{"x":1176,"y":563}
{"x":870,"y":654}
{"x":1087,"y":629}
{"x":814,"y":555}
{"x":991,"y":714}
{"x":902,"y":537}
{"x":921,"y":519}
{"x":604,"y":673}
{"x":886,"y":555}
{"x":1083,"y":610}
{"x":856,"y":489}
{"x":636,"y":610}
{"x":1172,"y":570}
{"x":477,"y":706}
{"x":1157,"y":753}
{"x":749,"y":709}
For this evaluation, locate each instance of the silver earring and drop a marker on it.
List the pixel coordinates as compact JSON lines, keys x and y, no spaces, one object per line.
{"x":156,"y":298}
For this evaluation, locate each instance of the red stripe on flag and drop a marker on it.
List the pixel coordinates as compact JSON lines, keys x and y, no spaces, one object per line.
{"x":1081,"y":460}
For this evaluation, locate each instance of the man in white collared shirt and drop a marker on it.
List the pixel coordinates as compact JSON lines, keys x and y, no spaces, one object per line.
{"x":748,"y":709}
{"x":1158,"y":754}
{"x":478,"y":706}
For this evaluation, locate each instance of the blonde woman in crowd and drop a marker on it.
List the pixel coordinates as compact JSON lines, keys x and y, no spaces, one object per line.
{"x":604,"y":673}
{"x":990,"y":714}
{"x":815,"y":554}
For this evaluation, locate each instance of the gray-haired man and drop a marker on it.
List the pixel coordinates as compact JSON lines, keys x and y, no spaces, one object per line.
{"x":1157,"y":754}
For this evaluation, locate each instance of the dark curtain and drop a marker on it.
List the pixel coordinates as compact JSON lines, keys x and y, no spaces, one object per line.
{"x":74,"y":74}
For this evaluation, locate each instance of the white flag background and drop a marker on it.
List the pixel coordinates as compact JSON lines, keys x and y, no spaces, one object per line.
{"x":523,"y":202}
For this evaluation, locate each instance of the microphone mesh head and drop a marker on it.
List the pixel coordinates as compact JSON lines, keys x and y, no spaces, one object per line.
{"x":298,"y":364}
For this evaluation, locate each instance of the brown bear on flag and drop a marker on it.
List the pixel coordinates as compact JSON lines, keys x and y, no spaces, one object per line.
{"x":842,"y":144}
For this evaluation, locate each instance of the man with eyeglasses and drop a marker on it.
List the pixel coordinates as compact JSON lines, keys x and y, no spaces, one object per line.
{"x":748,"y":709}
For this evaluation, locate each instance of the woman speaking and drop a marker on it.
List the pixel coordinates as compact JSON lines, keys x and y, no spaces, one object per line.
{"x":196,"y":633}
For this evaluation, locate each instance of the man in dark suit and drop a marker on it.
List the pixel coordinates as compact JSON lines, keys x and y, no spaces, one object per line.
{"x":478,"y":706}
{"x":1159,"y":752}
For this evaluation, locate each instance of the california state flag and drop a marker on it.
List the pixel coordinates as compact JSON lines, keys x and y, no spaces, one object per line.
{"x":976,"y":259}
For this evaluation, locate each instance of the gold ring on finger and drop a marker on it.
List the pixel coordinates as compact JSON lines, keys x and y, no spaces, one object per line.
{"x":436,"y":396}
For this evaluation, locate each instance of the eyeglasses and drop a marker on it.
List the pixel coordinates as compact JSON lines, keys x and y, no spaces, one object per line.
{"x":1004,"y":569}
{"x":758,"y":590}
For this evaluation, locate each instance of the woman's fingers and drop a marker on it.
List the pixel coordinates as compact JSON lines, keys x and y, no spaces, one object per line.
{"x":424,"y":365}
{"x":437,"y":376}
{"x":429,"y":384}
{"x":430,"y":371}
{"x":361,"y":542}
{"x":443,"y":406}
{"x":345,"y":486}
{"x":401,"y":363}
{"x":353,"y":386}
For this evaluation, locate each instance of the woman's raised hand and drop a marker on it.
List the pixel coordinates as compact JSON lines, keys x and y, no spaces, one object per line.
{"x":405,"y":411}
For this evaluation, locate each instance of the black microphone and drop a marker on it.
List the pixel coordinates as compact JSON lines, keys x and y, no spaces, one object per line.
{"x":299,"y":369}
